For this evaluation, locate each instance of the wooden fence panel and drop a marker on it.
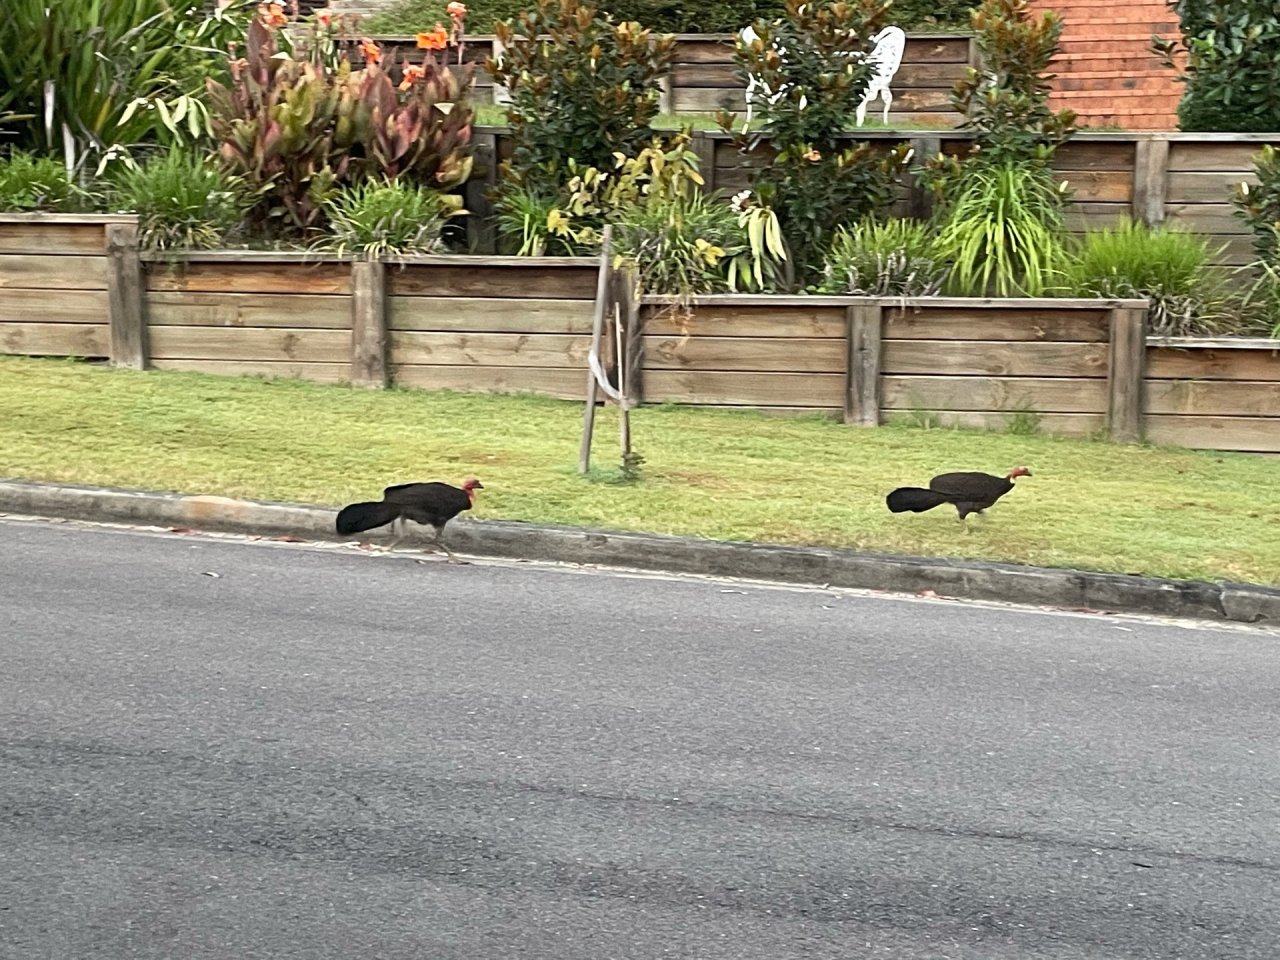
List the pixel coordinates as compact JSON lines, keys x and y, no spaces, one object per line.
{"x":236,"y":314}
{"x":498,"y":324}
{"x":1203,"y":176}
{"x":1220,"y":396}
{"x":1042,"y":367}
{"x":53,"y":286}
{"x":790,"y":356}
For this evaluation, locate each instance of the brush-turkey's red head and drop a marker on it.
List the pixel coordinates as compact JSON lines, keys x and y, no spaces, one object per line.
{"x":471,"y":483}
{"x":1019,"y":472}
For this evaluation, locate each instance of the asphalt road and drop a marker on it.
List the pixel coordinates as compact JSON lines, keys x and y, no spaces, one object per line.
{"x":321,"y":753}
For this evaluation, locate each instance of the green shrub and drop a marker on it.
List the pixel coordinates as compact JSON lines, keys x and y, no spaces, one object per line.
{"x":891,"y":258}
{"x":1259,"y":205}
{"x":1003,"y":230}
{"x":387,"y":217}
{"x":1169,"y":267}
{"x":1232,"y":64}
{"x":589,"y":93}
{"x":29,"y":182}
{"x":662,"y":16}
{"x":681,"y":246}
{"x":183,"y":201}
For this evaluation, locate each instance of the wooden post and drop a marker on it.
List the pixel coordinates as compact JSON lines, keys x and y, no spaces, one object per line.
{"x":920,"y":200}
{"x":1125,"y":372}
{"x":705,"y":148}
{"x":1150,"y":180}
{"x":369,"y":324}
{"x":124,"y":297}
{"x":633,"y":328}
{"x":478,"y":191}
{"x":862,"y":396}
{"x":602,"y":313}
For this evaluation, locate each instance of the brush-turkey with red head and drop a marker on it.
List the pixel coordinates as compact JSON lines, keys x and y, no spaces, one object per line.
{"x":968,"y":492}
{"x":432,"y":504}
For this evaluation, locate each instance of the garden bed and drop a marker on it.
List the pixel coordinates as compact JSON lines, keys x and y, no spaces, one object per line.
{"x":507,"y":324}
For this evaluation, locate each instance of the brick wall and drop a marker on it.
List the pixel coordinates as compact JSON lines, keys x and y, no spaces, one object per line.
{"x":1107,"y":72}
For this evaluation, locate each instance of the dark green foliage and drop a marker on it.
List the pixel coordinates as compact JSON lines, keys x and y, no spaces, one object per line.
{"x":1007,"y":102}
{"x":818,"y":179}
{"x":591,"y":92}
{"x":1232,"y":71}
{"x":662,"y":16}
{"x":29,"y":183}
{"x":1259,"y":205}
{"x":183,"y":201}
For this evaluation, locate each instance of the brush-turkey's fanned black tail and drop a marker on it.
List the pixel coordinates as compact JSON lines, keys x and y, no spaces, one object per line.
{"x":915,"y":499}
{"x":357,"y":517}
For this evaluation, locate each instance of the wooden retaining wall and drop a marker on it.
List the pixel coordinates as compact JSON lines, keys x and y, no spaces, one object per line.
{"x":1182,"y":179}
{"x":42,"y":254}
{"x":250,"y":314}
{"x":1065,"y":367}
{"x":508,"y":327}
{"x":79,"y":287}
{"x":1218,"y":394}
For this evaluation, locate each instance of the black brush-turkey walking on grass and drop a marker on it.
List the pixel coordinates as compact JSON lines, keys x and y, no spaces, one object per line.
{"x":969,"y":492}
{"x":431,"y":504}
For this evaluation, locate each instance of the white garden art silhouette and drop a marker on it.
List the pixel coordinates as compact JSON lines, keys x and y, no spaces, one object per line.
{"x":886,"y":55}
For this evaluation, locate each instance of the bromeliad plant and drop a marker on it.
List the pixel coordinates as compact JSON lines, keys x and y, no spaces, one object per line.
{"x":889,"y":258}
{"x":387,"y":217}
{"x":812,"y":66}
{"x":182,"y":201}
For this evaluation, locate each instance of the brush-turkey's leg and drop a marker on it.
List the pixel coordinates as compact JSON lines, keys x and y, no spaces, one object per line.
{"x":436,"y":543}
{"x":397,"y":532}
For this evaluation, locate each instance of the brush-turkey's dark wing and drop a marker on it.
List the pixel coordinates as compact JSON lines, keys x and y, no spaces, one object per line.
{"x":439,"y":500}
{"x":970,"y":486}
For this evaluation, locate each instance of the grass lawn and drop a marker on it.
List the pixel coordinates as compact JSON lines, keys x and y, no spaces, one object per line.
{"x":734,"y":475}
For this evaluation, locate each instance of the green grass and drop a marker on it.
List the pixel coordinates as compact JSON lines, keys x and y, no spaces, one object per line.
{"x":706,"y":473}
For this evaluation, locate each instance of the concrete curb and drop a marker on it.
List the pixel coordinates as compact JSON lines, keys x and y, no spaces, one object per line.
{"x":971,"y":580}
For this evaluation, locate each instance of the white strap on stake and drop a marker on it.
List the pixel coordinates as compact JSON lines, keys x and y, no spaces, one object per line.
{"x":593,"y":356}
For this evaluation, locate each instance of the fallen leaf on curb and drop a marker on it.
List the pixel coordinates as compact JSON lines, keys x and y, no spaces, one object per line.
{"x":210,"y":573}
{"x":926,"y":593}
{"x":181,"y":530}
{"x":288,"y":538}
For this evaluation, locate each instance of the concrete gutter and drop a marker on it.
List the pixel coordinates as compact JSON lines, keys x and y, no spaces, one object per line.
{"x":960,"y":579}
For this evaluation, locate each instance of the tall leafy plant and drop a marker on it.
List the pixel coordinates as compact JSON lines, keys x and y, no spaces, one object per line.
{"x":1259,"y":205}
{"x":93,"y":75}
{"x":296,"y":129}
{"x":1229,"y":52}
{"x":812,"y":69}
{"x":582,"y":88}
{"x":1000,"y":209}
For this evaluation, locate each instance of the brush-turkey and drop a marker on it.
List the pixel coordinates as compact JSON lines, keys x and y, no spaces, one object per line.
{"x":431,"y":504}
{"x":969,"y":492}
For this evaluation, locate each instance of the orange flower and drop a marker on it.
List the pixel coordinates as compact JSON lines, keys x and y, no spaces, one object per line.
{"x":437,"y":39}
{"x":412,"y":74}
{"x":457,"y":10}
{"x":372,"y":52}
{"x":272,"y":14}
{"x":324,"y":18}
